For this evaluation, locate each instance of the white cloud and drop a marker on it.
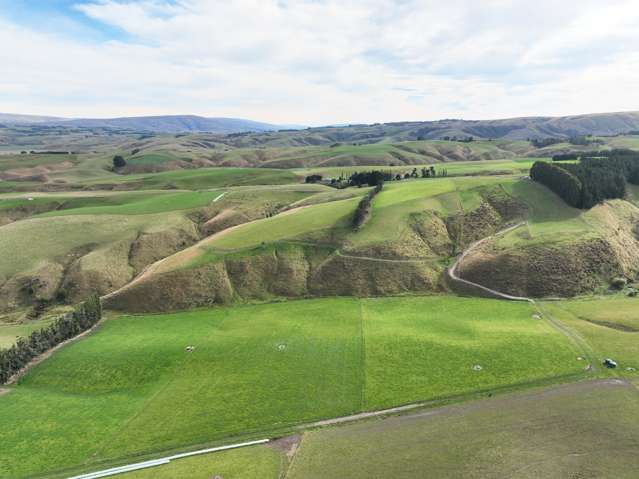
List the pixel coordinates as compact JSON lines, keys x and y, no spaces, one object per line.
{"x":325,"y":61}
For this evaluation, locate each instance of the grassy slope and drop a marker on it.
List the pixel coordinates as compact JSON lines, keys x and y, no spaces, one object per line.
{"x":258,"y":462}
{"x":12,"y":162}
{"x":331,"y":221}
{"x":411,"y":343}
{"x":281,"y":155}
{"x":199,"y":178}
{"x":393,"y":207}
{"x":583,"y":430}
{"x":136,"y":205}
{"x":602,"y":322}
{"x":10,"y":332}
{"x":51,"y":238}
{"x":550,"y":219}
{"x":295,"y":224}
{"x":132,"y":388}
{"x":458,"y":168}
{"x":96,"y":221}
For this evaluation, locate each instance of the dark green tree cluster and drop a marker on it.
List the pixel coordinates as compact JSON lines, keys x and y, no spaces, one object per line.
{"x":562,"y":182}
{"x":428,"y":172}
{"x":614,"y":153}
{"x":544,"y":142}
{"x":84,"y":316}
{"x":313,"y":178}
{"x":565,"y":157}
{"x":119,"y":161}
{"x":370,"y":178}
{"x":375,"y":177}
{"x":592,"y":180}
{"x":364,"y":207}
{"x":461,"y":139}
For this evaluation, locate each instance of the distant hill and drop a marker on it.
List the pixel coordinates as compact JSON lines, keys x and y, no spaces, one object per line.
{"x":157,"y":124}
{"x":12,"y":119}
{"x":265,"y":134}
{"x":604,"y":124}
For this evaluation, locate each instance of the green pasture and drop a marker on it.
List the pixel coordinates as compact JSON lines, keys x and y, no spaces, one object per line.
{"x":623,"y":141}
{"x":410,"y":344}
{"x":256,"y":462}
{"x":10,"y":332}
{"x":202,"y":178}
{"x":582,"y":430}
{"x":131,"y":388}
{"x":155,"y":158}
{"x":36,"y":242}
{"x":13,"y":162}
{"x":128,"y":204}
{"x":11,"y":186}
{"x":456,"y":168}
{"x":397,"y":202}
{"x":549,"y":217}
{"x":314,"y":222}
{"x":609,"y":325}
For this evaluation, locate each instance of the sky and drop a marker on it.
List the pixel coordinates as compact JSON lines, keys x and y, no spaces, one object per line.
{"x":318,"y":62}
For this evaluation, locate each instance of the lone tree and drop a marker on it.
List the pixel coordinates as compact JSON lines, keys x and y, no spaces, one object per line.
{"x":118,"y":162}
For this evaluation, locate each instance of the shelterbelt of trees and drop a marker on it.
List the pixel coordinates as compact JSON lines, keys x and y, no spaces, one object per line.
{"x":592,"y":180}
{"x":83,"y":317}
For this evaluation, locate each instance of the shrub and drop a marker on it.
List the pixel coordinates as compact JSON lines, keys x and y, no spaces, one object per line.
{"x":618,"y":283}
{"x":118,"y":162}
{"x":313,"y":178}
{"x":565,"y":157}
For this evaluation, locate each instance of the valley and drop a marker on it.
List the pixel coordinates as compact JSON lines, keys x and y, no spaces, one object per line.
{"x":242,"y":301}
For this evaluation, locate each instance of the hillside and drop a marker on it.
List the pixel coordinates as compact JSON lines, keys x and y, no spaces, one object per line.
{"x":12,"y":119}
{"x":160,"y":124}
{"x":598,"y":124}
{"x":507,"y":129}
{"x":415,"y":228}
{"x":98,"y":241}
{"x":377,"y":321}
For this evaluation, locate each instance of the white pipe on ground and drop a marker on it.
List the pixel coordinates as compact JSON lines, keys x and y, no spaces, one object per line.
{"x":165,"y":460}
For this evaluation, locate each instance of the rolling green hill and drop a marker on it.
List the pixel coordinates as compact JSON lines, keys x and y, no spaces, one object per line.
{"x":217,"y":235}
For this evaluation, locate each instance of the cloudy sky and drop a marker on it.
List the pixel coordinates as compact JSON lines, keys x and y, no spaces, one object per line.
{"x":319,"y":61}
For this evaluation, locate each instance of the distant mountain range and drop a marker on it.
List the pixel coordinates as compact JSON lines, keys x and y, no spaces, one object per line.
{"x":511,"y":129}
{"x":158,"y":124}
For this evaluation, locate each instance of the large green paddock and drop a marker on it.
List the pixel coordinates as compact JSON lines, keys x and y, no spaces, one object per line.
{"x":257,"y":462}
{"x":131,"y":388}
{"x":582,"y":430}
{"x":198,"y":178}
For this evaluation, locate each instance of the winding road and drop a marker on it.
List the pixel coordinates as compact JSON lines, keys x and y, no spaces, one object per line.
{"x":572,"y":336}
{"x":452,"y":271}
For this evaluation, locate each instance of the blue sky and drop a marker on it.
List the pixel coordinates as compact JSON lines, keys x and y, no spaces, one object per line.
{"x":319,"y":61}
{"x":59,"y":17}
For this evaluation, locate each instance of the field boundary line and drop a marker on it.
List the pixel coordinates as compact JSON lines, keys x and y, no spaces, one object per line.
{"x":164,"y":460}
